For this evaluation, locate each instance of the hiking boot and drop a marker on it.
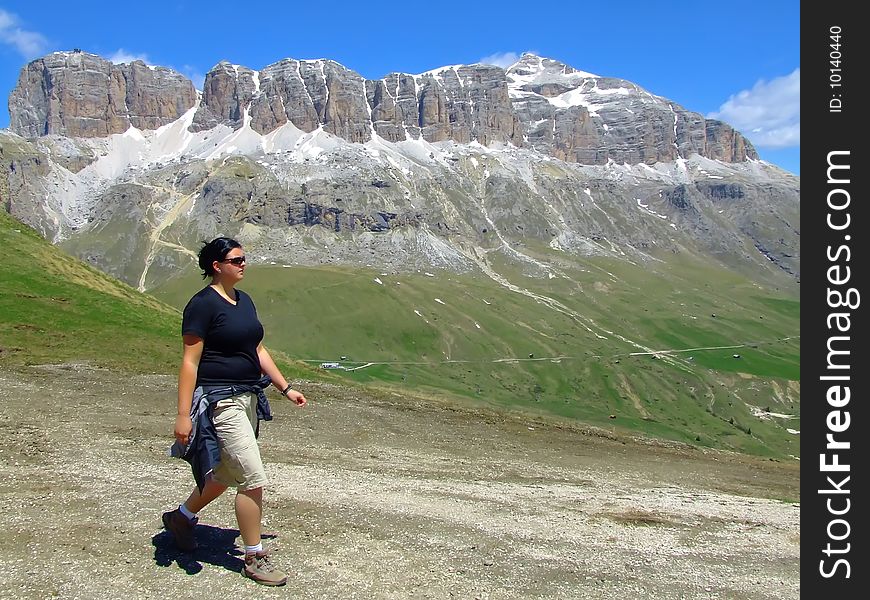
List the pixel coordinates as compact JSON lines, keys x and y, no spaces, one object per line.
{"x":260,"y":568}
{"x":181,"y":528}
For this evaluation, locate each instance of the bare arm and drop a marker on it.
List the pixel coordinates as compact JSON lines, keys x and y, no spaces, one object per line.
{"x":267,"y":365}
{"x":193,"y":346}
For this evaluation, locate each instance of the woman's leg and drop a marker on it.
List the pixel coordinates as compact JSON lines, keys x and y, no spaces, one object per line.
{"x":249,"y":514}
{"x":180,"y":524}
{"x":199,"y":500}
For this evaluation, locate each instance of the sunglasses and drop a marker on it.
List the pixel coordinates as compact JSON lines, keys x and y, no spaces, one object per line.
{"x":236,"y":260}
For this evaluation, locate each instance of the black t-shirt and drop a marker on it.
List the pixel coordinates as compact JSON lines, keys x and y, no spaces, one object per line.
{"x":231,"y":334}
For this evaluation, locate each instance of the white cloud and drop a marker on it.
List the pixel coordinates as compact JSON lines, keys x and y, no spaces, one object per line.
{"x":769,"y":114}
{"x":122,"y":56}
{"x":500,"y":59}
{"x":30,"y":44}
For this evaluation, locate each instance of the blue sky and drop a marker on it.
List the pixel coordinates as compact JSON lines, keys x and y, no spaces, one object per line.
{"x":738,"y":61}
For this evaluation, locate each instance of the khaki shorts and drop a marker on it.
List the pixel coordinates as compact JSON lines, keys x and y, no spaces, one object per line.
{"x":235,"y":419}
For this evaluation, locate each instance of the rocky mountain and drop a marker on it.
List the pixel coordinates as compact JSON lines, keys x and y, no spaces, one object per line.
{"x":308,"y":162}
{"x":537,"y":103}
{"x":76,"y":94}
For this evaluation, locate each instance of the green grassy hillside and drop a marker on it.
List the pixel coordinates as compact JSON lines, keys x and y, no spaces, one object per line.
{"x":55,"y":308}
{"x":643,"y":348}
{"x":582,"y":350}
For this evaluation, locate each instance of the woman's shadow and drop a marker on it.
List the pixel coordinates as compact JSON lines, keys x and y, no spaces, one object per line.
{"x":215,"y":546}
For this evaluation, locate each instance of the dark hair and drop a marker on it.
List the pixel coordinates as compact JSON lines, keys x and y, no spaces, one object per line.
{"x":215,"y":250}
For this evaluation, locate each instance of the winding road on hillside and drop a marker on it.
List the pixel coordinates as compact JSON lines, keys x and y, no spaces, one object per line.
{"x":657,"y":353}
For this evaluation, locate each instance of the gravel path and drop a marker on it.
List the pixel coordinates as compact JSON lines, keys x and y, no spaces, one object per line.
{"x":379,"y":496}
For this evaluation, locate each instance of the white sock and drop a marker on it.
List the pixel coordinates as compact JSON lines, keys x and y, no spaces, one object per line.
{"x":254,"y":549}
{"x":190,"y":516}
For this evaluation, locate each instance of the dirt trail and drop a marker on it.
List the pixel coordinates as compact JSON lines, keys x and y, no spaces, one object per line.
{"x":378,"y":496}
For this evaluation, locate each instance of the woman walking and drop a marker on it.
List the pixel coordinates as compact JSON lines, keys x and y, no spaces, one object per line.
{"x":224,"y":370}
